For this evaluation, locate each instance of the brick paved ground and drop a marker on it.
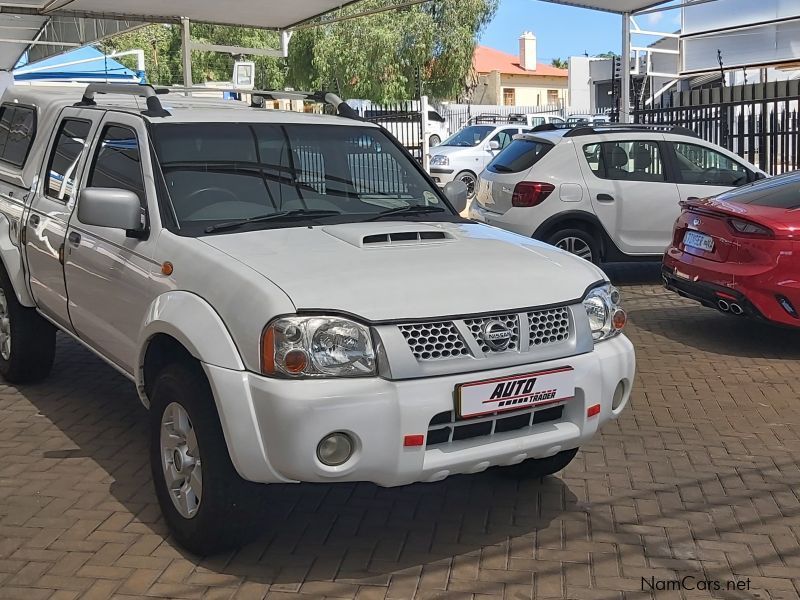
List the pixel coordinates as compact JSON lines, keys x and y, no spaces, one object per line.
{"x":699,"y":478}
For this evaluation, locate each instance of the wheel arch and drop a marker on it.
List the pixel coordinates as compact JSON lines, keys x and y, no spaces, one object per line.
{"x":11,"y":258}
{"x":182,"y":325}
{"x":575,"y":219}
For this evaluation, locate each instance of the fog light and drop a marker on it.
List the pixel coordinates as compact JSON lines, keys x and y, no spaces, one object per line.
{"x":335,"y":449}
{"x":619,"y":394}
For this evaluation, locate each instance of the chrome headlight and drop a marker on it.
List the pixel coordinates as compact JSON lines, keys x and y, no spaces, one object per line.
{"x":440,"y":160}
{"x":606,"y":317}
{"x":317,"y":347}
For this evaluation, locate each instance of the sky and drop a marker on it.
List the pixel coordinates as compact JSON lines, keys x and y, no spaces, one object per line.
{"x":563,"y":31}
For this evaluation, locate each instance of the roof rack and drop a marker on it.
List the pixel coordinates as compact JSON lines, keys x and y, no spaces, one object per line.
{"x":148,"y":92}
{"x":591,"y":129}
{"x":552,"y":127}
{"x":155,"y":109}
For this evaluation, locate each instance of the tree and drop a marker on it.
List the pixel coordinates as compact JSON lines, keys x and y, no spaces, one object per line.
{"x":608,"y":54}
{"x":378,"y":57}
{"x":559,"y":63}
{"x":162,"y":48}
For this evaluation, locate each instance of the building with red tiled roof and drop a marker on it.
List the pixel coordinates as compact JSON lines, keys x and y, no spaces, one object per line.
{"x":519,"y":80}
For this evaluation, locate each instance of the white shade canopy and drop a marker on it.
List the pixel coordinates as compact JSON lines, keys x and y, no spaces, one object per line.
{"x":613,"y":6}
{"x":269,"y":14}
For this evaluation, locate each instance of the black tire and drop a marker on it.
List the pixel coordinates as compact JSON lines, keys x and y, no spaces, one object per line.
{"x":434,"y":140}
{"x":471,"y":180}
{"x":537,"y":468}
{"x":226,"y":515}
{"x":578,"y":242}
{"x":32,"y":346}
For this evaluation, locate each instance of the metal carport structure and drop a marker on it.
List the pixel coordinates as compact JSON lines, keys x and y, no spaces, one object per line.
{"x":47,"y":27}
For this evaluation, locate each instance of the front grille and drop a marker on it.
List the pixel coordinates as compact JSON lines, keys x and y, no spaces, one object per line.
{"x":432,"y":341}
{"x":511,"y":321}
{"x":548,"y":326}
{"x":438,"y":340}
{"x":444,"y":429}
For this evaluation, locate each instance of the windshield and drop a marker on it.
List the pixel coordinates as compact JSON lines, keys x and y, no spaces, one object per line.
{"x":469,"y":136}
{"x":216,"y":173}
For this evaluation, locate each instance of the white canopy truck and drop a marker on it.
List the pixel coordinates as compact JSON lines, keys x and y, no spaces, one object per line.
{"x":294,"y":299}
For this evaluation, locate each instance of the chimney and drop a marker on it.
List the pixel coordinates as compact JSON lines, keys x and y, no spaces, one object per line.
{"x":527,"y":51}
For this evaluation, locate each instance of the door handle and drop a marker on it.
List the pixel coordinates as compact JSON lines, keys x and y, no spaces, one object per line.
{"x":605,"y":198}
{"x":33,"y":221}
{"x":74,"y":238}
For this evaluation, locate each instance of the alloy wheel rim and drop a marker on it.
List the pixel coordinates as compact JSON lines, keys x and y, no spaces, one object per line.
{"x":5,"y":327}
{"x":180,"y":460}
{"x":469,"y":180}
{"x":576,"y":246}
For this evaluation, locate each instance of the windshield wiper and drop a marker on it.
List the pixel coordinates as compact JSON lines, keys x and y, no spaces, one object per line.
{"x":287,"y":214}
{"x":405,"y":210}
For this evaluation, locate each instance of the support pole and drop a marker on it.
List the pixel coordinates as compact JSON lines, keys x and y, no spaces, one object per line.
{"x":186,"y":54}
{"x":625,"y":75}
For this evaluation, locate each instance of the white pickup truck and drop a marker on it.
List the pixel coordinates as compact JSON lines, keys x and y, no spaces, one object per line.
{"x":294,"y":299}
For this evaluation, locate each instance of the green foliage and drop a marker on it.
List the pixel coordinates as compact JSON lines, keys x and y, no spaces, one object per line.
{"x":559,"y":63}
{"x":377,"y":57}
{"x":162,"y":52}
{"x":608,"y":54}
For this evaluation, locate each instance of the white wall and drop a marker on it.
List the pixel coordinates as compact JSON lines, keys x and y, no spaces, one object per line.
{"x":580,"y":83}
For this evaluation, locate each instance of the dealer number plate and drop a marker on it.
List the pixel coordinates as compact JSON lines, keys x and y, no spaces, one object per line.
{"x":479,"y":398}
{"x":698,"y":240}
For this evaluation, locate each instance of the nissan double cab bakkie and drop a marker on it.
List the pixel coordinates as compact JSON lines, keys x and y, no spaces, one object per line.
{"x":294,"y":299}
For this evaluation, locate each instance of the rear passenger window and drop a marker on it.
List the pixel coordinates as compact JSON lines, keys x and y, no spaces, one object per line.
{"x":625,"y":161}
{"x":17,"y":128}
{"x":520,"y":155}
{"x":64,"y":158}
{"x":117,"y":163}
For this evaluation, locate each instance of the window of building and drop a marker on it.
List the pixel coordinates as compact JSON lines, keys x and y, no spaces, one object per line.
{"x":552,"y":96}
{"x":64,"y":158}
{"x":509,"y":97}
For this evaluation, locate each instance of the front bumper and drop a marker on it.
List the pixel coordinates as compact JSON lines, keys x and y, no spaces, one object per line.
{"x":442,"y":175}
{"x":273,"y":426}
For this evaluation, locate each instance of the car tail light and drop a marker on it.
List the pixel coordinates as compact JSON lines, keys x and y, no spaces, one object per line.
{"x":749,"y":228}
{"x":530,"y":193}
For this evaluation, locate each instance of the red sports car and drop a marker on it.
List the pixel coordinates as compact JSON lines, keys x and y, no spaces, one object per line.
{"x":739,"y":252}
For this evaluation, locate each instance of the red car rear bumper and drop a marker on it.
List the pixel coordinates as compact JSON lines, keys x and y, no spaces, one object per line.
{"x":767,"y":291}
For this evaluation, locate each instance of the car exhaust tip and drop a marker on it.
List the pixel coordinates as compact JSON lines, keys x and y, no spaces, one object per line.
{"x":723,"y":306}
{"x":736,"y":309}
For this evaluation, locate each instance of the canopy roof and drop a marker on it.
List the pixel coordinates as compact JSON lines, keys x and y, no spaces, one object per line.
{"x":269,"y":14}
{"x":613,"y":6}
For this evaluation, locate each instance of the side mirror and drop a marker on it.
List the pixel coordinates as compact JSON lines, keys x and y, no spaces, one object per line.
{"x":494,"y":145}
{"x":456,"y":192}
{"x":110,"y":207}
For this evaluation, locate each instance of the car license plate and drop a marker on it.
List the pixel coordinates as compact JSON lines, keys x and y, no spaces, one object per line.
{"x":479,"y":398}
{"x":698,"y":240}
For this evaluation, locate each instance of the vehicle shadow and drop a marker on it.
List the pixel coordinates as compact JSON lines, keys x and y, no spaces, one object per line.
{"x":310,"y":532}
{"x":633,"y":273}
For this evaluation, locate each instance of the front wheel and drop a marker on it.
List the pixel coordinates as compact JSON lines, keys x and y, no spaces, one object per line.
{"x":577,"y":242}
{"x":434,"y":140}
{"x":471,"y":181}
{"x":27,"y":340}
{"x":536,"y":468}
{"x":206,"y":504}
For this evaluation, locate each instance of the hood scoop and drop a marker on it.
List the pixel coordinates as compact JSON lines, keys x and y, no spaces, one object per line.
{"x":372,"y":235}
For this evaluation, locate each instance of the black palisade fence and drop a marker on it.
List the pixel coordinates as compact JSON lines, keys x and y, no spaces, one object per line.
{"x":759,"y":121}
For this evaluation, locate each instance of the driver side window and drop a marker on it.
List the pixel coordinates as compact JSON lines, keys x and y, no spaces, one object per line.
{"x":699,"y":165}
{"x":504,"y":138}
{"x":117,"y":162}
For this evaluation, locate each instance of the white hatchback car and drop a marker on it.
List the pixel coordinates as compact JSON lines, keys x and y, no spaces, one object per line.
{"x":604,"y":193}
{"x":462,"y":156}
